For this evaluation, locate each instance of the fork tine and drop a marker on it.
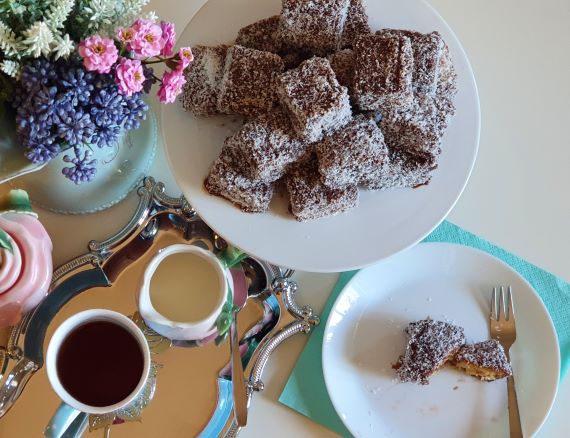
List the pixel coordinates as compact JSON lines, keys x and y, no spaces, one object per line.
{"x":494,"y":304}
{"x":511,"y":307}
{"x":503,"y":311}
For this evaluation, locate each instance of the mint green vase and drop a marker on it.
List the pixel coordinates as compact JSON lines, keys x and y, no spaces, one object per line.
{"x":120,"y":170}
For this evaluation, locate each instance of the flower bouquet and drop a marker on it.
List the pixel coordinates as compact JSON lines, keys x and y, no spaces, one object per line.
{"x":75,"y":73}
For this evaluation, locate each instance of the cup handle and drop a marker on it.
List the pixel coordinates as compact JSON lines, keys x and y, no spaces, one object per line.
{"x":66,"y":422}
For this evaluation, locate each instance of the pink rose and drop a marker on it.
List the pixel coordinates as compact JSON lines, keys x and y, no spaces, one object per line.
{"x":129,"y":76}
{"x":125,"y":35}
{"x":171,"y":87}
{"x":185,"y":57}
{"x":147,"y":40}
{"x":168,"y":37}
{"x":98,"y":53}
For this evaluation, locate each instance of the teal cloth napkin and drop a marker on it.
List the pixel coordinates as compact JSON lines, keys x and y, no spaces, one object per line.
{"x":305,"y":390}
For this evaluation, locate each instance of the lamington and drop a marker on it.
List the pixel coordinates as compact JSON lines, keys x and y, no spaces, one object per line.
{"x":430,"y":345}
{"x":266,"y":146}
{"x":315,"y":101}
{"x":203,"y":76}
{"x":342,"y":63}
{"x":428,"y":50}
{"x":248,"y":83}
{"x":413,"y":130}
{"x":383,"y":72}
{"x":316,"y":25}
{"x":261,"y":35}
{"x":310,"y":198}
{"x":226,"y":179}
{"x":446,"y":90}
{"x":356,"y":24}
{"x":351,"y":153}
{"x":401,"y":170}
{"x":486,"y":360}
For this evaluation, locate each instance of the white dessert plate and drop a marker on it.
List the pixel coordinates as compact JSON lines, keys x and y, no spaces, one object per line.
{"x":364,"y":336}
{"x":385,"y":222}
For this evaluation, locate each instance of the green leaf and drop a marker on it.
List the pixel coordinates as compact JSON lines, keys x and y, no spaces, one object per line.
{"x":231,"y":256}
{"x":5,"y":241}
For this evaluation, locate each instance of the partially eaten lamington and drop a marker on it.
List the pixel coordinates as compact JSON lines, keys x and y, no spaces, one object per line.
{"x":485,"y":360}
{"x":248,"y":83}
{"x":313,"y":98}
{"x":430,"y":345}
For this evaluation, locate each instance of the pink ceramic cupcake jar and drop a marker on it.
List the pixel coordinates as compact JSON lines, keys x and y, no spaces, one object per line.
{"x":25,"y":258}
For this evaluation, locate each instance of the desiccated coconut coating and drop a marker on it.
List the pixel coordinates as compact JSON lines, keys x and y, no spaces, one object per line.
{"x":226,"y":179}
{"x":311,"y":199}
{"x":446,"y":90}
{"x":248,"y":84}
{"x":314,"y":99}
{"x":356,"y":24}
{"x":266,"y":146}
{"x":415,"y":129}
{"x":430,"y":345}
{"x":203,"y":77}
{"x":428,"y":49}
{"x":342,"y":63}
{"x":486,"y":360}
{"x":401,"y":170}
{"x":383,"y":72}
{"x":315,"y":25}
{"x":261,"y":35}
{"x":351,"y":153}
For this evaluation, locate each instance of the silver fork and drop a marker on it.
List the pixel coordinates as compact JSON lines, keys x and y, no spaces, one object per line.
{"x":503,"y":329}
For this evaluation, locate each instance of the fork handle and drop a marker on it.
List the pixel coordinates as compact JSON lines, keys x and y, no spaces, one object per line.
{"x":514,"y":416}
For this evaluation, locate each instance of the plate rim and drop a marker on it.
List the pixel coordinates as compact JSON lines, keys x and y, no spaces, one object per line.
{"x":274,"y":258}
{"x":462,"y":248}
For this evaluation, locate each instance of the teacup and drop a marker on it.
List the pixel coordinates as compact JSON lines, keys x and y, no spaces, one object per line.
{"x":98,"y":362}
{"x":186,"y":293}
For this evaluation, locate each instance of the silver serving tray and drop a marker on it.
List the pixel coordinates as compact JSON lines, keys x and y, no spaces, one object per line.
{"x":194,"y":388}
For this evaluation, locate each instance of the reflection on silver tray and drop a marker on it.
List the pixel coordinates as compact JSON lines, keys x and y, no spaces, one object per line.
{"x":270,"y":317}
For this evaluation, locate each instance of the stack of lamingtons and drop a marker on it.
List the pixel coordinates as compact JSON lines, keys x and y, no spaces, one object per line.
{"x":329,"y":107}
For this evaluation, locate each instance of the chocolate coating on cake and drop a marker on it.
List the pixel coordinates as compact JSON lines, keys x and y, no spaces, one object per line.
{"x":226,"y":179}
{"x":248,"y":84}
{"x":356,"y":24}
{"x":428,"y":49}
{"x":430,"y":345}
{"x":203,"y":77}
{"x":261,"y":35}
{"x":383,"y":73}
{"x":342,"y":63}
{"x":313,"y":98}
{"x":401,"y":170}
{"x":266,"y":146}
{"x":486,"y":360}
{"x":310,"y":198}
{"x":315,"y":25}
{"x":351,"y":153}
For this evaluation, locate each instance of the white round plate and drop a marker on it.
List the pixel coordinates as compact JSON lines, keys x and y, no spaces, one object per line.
{"x":385,"y":222}
{"x":364,"y":336}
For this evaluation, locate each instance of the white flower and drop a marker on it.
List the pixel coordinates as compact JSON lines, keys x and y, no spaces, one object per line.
{"x":63,"y":46}
{"x":37,"y":39}
{"x":151,"y":16}
{"x":11,"y":68}
{"x":8,"y":41}
{"x":58,"y":13}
